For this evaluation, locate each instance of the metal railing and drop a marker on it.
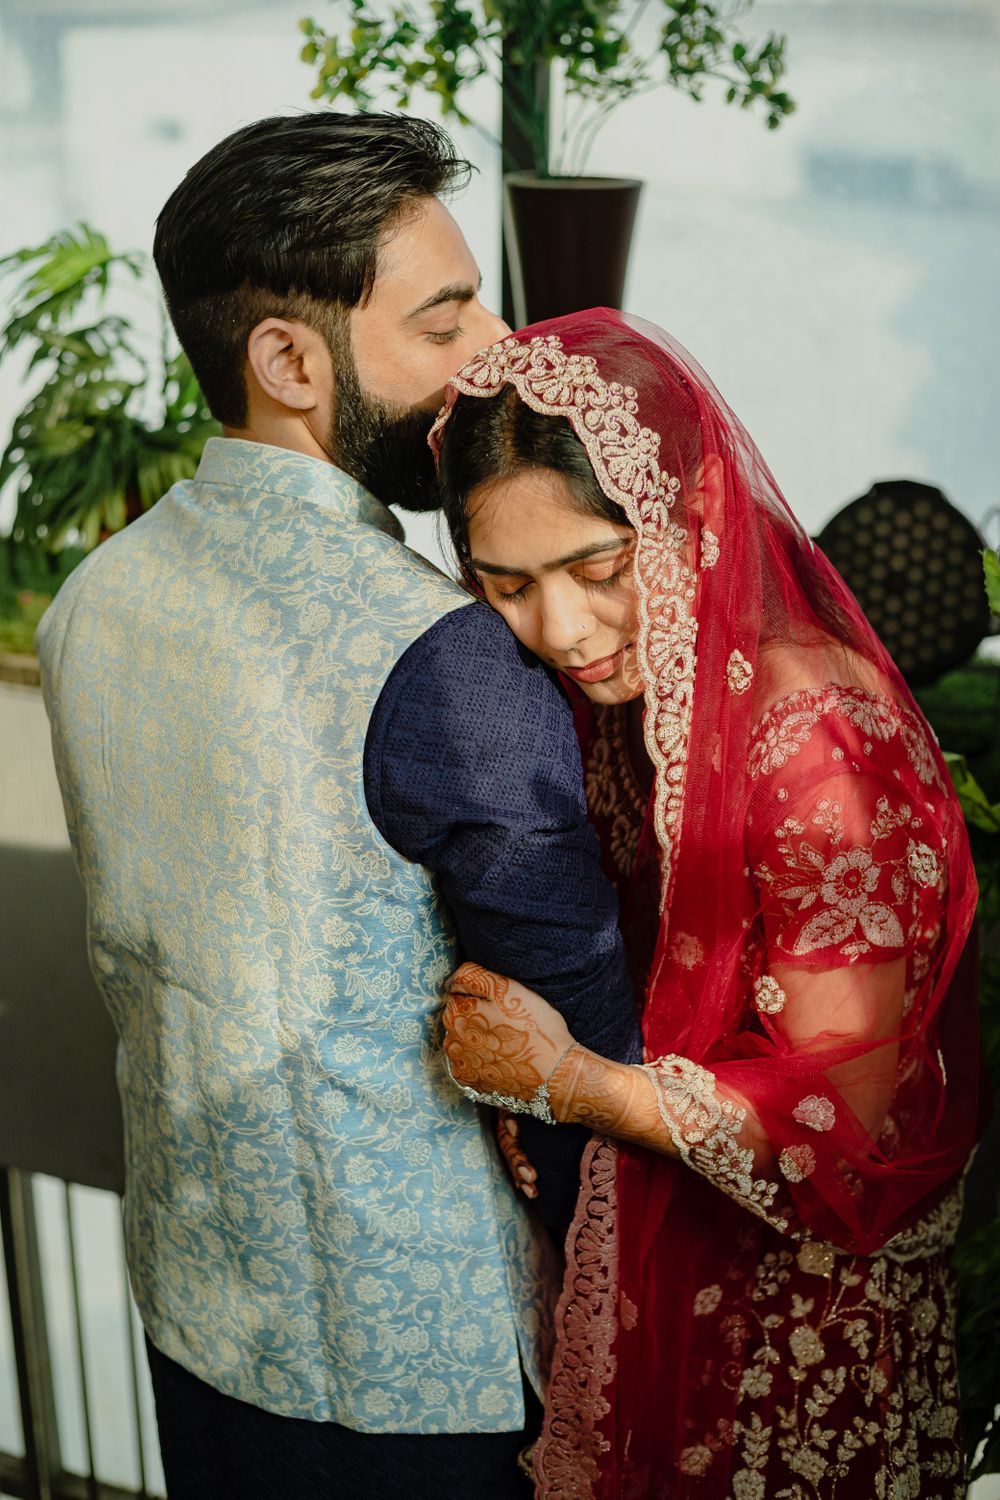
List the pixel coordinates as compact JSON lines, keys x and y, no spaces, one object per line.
{"x":50,"y":1407}
{"x":82,"y":1389}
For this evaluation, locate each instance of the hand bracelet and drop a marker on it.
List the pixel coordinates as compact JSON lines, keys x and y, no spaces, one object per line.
{"x":538,"y":1105}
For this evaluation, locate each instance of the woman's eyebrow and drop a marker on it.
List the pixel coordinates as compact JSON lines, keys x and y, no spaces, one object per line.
{"x":615,"y":544}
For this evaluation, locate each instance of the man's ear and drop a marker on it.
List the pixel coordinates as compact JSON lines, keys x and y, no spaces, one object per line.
{"x":290,"y":362}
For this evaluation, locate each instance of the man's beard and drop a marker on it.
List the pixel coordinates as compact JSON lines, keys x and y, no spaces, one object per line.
{"x":383,"y":447}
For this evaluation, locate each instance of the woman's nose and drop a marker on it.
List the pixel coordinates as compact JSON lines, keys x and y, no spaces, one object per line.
{"x":565,"y":622}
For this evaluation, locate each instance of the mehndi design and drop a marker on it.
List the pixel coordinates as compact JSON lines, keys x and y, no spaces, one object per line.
{"x":514,"y":1061}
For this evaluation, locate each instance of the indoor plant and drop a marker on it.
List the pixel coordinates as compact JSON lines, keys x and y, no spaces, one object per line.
{"x":551,"y":208}
{"x":113,"y":417}
{"x":116,"y":416}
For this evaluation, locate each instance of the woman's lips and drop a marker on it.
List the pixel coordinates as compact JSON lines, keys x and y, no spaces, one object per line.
{"x":597,"y":671}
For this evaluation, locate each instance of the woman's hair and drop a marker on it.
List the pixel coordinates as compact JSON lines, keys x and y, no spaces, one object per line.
{"x":488,"y":438}
{"x":284,"y":219}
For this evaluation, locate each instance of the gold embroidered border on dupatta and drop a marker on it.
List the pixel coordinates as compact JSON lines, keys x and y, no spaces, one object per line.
{"x":566,"y":1456}
{"x":625,"y":459}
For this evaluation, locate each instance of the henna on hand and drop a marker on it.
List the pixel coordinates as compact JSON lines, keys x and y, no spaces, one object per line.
{"x":501,"y":1038}
{"x":614,"y":1099}
{"x":522,"y":1172}
{"x":493,"y":1040}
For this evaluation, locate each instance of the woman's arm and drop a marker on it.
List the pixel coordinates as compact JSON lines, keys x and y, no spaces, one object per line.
{"x":502,"y":1039}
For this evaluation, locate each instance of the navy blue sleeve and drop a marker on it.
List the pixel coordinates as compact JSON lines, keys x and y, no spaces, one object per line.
{"x":472,"y":768}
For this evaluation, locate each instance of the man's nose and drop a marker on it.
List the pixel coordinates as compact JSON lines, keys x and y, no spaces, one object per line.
{"x":494,"y":327}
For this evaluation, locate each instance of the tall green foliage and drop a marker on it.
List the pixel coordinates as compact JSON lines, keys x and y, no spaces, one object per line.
{"x":109,"y":426}
{"x":977,"y":1260}
{"x":446,"y":46}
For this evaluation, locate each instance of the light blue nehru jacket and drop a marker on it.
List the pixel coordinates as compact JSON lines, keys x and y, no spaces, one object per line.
{"x":316,"y":1221}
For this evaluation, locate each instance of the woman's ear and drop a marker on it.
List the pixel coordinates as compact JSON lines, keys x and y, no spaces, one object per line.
{"x":290,"y":363}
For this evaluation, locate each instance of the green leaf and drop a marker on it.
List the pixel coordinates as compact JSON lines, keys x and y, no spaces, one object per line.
{"x":976,"y":806}
{"x":991,"y":569}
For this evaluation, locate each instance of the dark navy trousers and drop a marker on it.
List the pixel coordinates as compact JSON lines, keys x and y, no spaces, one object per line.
{"x":217,"y":1448}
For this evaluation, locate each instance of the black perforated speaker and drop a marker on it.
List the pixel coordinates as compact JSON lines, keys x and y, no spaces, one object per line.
{"x":914,"y":565}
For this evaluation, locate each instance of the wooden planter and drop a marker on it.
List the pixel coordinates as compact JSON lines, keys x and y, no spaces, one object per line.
{"x":568,"y":241}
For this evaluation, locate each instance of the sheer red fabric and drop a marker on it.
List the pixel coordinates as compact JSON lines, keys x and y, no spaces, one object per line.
{"x":768,"y":1314}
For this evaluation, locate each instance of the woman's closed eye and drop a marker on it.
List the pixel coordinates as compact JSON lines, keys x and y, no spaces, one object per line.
{"x":607,"y":575}
{"x":512,"y":596}
{"x":602,"y":575}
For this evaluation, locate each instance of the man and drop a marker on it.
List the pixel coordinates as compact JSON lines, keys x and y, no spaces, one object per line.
{"x":339,"y":1285}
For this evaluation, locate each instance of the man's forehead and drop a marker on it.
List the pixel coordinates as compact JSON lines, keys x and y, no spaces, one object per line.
{"x":422,"y":255}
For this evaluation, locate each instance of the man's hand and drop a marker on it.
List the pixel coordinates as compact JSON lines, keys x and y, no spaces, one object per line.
{"x":522,"y":1172}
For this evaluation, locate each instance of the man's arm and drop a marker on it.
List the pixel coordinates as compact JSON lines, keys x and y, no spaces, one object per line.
{"x":472,"y":769}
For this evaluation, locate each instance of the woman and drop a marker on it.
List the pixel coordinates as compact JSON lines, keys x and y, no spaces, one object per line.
{"x":757,"y":1300}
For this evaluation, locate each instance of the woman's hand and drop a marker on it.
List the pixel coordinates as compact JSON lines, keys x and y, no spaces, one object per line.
{"x":522,"y":1173}
{"x":500,"y":1038}
{"x":503,"y":1039}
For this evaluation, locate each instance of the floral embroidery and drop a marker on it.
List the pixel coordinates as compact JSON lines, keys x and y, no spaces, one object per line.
{"x":922,"y":863}
{"x":704,"y":1128}
{"x":816,"y":1111}
{"x":739,"y":672}
{"x":769,"y":996}
{"x":797,"y":1162}
{"x":695,"y":1460}
{"x":935,"y":1233}
{"x":856,"y":899}
{"x":709,"y":548}
{"x":707,"y":1300}
{"x":686,"y":950}
{"x":815,"y":1258}
{"x":789,"y":723}
{"x":868,"y":1406}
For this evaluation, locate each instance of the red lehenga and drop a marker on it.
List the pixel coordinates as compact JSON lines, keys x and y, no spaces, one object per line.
{"x":768,"y":1317}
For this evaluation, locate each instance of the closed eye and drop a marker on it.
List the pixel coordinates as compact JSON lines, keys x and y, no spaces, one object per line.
{"x":604,"y":583}
{"x":446,"y":338}
{"x":514,"y":596}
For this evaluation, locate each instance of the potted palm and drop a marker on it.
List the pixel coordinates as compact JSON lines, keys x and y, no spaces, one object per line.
{"x":568,"y":234}
{"x":114,"y":419}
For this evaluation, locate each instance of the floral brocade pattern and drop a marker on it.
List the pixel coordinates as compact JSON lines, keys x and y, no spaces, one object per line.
{"x":316,"y":1220}
{"x":843,"y":1378}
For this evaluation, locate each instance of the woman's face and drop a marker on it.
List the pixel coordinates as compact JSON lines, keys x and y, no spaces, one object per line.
{"x":561,"y":580}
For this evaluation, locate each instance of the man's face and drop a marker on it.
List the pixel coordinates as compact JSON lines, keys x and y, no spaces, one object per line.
{"x":423,"y":322}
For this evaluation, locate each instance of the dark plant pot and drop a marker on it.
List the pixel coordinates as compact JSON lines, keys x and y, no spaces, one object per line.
{"x":568,"y":241}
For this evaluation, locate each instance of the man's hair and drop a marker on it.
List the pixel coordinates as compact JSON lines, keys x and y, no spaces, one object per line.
{"x":284,"y":219}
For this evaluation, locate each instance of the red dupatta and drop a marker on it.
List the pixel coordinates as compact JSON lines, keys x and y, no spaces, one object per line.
{"x":817,"y":1031}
